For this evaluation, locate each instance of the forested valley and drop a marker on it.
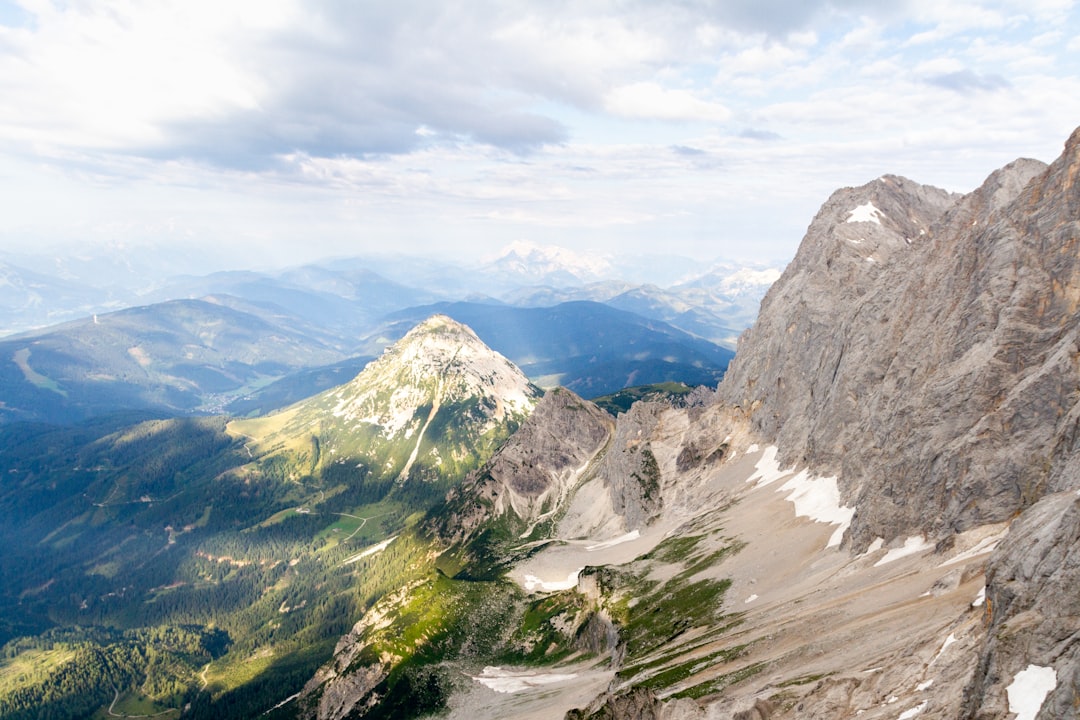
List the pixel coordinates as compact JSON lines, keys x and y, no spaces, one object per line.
{"x":154,"y":566}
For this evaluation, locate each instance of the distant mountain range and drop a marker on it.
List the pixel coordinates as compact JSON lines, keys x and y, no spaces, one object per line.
{"x":247,"y":342}
{"x":715,"y":301}
{"x":225,"y":354}
{"x":180,"y":356}
{"x":587,"y":347}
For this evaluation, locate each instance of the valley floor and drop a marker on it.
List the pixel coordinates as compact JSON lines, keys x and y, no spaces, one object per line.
{"x":889,"y":634}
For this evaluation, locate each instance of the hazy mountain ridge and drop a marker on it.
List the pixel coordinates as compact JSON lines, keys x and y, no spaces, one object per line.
{"x":223,"y":353}
{"x":587,"y":347}
{"x":350,"y":295}
{"x":170,"y":358}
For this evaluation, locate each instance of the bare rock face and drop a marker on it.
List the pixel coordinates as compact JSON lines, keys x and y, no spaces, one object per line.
{"x":536,"y":468}
{"x":630,"y":470}
{"x":1033,"y":607}
{"x":640,"y":704}
{"x":924,"y":348}
{"x":344,"y":686}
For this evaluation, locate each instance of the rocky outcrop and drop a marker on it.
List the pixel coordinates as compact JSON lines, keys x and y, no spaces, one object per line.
{"x":630,"y":470}
{"x":534,"y":472}
{"x":924,"y":349}
{"x":345,"y":685}
{"x":565,"y":443}
{"x":640,"y":704}
{"x":1033,"y":608}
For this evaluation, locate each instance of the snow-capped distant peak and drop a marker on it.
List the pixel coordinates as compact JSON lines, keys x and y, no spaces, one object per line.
{"x":529,"y":258}
{"x":746,"y":279}
{"x":865,"y":213}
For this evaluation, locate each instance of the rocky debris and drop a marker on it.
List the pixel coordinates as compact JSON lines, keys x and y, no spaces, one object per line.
{"x":638,"y":704}
{"x":1033,"y":607}
{"x":761,"y":710}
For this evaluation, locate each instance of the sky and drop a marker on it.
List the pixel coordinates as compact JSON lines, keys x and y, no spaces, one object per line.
{"x":274,"y":132}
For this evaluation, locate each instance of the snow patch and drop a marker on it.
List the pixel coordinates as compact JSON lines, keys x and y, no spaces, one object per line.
{"x":533,"y":583}
{"x":985,"y":545}
{"x":750,"y":599}
{"x":980,"y":599}
{"x":924,"y":685}
{"x":912,"y":545}
{"x":754,"y":447}
{"x":748,"y":279}
{"x":1029,"y":689}
{"x":908,"y":714}
{"x":944,"y":646}
{"x":865,"y":213}
{"x":632,"y":535}
{"x":819,"y":500}
{"x":767,"y":470}
{"x":510,"y":681}
{"x":816,"y":498}
{"x":874,"y":546}
{"x":370,"y":551}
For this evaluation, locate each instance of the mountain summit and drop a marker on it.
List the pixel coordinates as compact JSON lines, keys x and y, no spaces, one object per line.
{"x":440,"y":361}
{"x":435,"y":403}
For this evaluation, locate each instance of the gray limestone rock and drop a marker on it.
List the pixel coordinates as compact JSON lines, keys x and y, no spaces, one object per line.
{"x":1033,"y":611}
{"x":924,"y":348}
{"x":630,"y":469}
{"x":534,"y":470}
{"x":637,"y":704}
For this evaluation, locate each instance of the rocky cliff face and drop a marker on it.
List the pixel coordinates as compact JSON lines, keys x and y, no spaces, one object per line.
{"x":921,"y":355}
{"x":923,"y":348}
{"x":1033,"y":602}
{"x":533,"y":474}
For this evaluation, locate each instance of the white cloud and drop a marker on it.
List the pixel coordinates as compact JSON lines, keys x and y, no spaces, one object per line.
{"x":112,"y":76}
{"x":425,"y":123}
{"x":948,"y":19}
{"x":650,"y":100}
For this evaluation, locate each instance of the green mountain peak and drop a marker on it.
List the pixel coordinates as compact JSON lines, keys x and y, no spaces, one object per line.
{"x":436,"y":403}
